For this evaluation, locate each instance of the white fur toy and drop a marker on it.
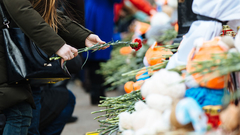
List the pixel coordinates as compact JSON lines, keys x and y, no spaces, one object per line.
{"x":166,"y":83}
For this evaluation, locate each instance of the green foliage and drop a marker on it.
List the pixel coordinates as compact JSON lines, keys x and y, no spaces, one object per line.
{"x":167,"y":36}
{"x":112,"y":71}
{"x":114,"y":106}
{"x":119,"y":64}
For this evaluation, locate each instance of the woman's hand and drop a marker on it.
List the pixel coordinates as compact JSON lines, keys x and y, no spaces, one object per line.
{"x":93,"y":39}
{"x":67,"y":52}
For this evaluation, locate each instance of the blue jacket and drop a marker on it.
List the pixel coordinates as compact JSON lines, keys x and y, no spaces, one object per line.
{"x":99,"y":19}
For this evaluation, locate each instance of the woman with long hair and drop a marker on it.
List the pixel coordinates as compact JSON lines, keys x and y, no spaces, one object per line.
{"x":50,"y":30}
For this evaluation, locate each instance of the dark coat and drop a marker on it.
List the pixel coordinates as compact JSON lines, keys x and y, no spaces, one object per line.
{"x":33,"y":25}
{"x":99,"y":19}
{"x":75,"y":10}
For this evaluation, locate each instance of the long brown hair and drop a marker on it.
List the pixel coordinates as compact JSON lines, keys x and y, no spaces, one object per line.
{"x":47,"y":9}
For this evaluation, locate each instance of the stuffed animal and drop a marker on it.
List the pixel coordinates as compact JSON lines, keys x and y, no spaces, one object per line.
{"x":165,"y":109}
{"x":204,"y":51}
{"x":230,"y":118}
{"x":155,"y":54}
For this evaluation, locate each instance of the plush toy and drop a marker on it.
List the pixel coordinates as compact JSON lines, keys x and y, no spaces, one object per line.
{"x":125,"y":50}
{"x":140,"y":28}
{"x":168,"y":10}
{"x":160,"y":22}
{"x":205,"y":96}
{"x":230,"y":118}
{"x":133,"y":86}
{"x":165,"y":109}
{"x":203,"y":51}
{"x":207,"y":89}
{"x":188,"y":115}
{"x":166,"y":83}
{"x":155,"y":54}
{"x":142,"y":75}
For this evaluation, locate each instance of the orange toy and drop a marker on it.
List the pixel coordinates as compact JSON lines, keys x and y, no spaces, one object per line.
{"x":141,"y":27}
{"x":131,"y":86}
{"x":128,"y":87}
{"x":176,"y":27}
{"x":125,"y":50}
{"x":140,"y":73}
{"x":155,"y":55}
{"x":137,"y":85}
{"x":151,"y":72}
{"x":204,"y":53}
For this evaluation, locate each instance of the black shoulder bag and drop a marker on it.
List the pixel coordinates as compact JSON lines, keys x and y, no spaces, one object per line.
{"x":26,"y":62}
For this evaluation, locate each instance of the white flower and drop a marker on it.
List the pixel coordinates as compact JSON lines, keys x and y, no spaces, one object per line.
{"x":125,"y":121}
{"x":159,"y":102}
{"x":128,"y":132}
{"x":140,"y":105}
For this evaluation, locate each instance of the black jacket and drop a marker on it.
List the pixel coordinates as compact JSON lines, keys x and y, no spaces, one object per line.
{"x":34,"y":26}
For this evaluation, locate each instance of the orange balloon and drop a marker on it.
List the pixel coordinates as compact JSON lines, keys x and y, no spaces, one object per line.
{"x":155,"y":55}
{"x":128,"y":87}
{"x":125,"y":50}
{"x":205,"y":53}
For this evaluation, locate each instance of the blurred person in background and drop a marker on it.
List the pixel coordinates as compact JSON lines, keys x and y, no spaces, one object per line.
{"x":140,"y":7}
{"x":127,"y":12}
{"x":74,"y":9}
{"x":99,"y":16}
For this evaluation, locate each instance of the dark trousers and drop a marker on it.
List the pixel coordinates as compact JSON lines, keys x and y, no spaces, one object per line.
{"x":95,"y":81}
{"x":18,"y":119}
{"x":2,"y":123}
{"x":33,"y":129}
{"x":56,"y":127}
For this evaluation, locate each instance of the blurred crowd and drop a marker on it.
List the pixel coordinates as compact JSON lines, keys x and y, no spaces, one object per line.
{"x":122,"y":20}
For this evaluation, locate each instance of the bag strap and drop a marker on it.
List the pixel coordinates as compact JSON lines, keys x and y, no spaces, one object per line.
{"x":5,"y":20}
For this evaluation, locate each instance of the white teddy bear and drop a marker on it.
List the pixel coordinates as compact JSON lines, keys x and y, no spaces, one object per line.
{"x":164,"y":93}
